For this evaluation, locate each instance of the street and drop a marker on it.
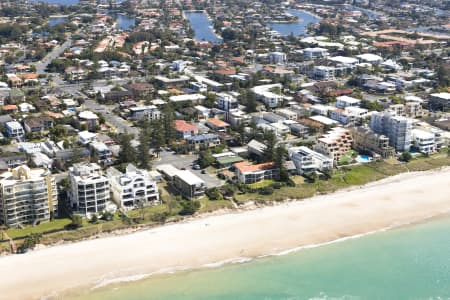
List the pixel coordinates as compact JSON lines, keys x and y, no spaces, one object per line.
{"x":120,"y":124}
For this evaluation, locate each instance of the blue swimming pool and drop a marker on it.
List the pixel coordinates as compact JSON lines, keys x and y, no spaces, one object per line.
{"x":363,"y":158}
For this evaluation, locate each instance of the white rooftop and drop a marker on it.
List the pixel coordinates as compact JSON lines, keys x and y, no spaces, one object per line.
{"x":88,"y":115}
{"x":189,"y":177}
{"x":369,"y":57}
{"x":323,"y":120}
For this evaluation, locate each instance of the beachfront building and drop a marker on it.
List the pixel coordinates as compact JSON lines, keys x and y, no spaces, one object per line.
{"x":28,"y":196}
{"x":367,"y":141}
{"x":335,"y":143}
{"x":396,"y":128}
{"x":307,"y":160}
{"x":188,"y":184}
{"x":423,"y":141}
{"x":248,"y":173}
{"x":132,"y":189}
{"x":89,"y":191}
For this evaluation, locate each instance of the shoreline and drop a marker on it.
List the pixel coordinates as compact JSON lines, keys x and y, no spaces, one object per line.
{"x":217,"y":239}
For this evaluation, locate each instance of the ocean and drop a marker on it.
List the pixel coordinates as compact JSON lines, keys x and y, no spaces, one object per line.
{"x":412,"y":262}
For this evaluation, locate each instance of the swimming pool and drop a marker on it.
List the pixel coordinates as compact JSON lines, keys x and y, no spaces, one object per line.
{"x":363,"y":158}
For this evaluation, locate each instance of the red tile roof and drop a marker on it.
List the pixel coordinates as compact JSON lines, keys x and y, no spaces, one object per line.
{"x":217,"y":122}
{"x":246,"y":167}
{"x":181,"y":125}
{"x":9,"y":107}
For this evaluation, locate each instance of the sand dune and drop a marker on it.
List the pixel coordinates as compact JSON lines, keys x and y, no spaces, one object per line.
{"x":394,"y":201}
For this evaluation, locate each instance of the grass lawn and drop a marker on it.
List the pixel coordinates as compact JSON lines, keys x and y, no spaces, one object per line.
{"x":212,"y":205}
{"x":261,"y":184}
{"x":348,"y":157}
{"x":43,"y":227}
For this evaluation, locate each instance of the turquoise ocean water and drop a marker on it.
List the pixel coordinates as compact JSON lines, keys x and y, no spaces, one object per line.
{"x":407,"y":263}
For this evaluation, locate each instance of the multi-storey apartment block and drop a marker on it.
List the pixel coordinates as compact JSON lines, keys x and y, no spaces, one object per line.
{"x":89,"y":188}
{"x":28,"y":196}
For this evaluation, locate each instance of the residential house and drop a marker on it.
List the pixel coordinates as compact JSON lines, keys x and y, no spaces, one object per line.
{"x":423,"y":141}
{"x":37,"y":124}
{"x":307,"y":160}
{"x":217,"y":125}
{"x":14,"y":129}
{"x":247,"y":173}
{"x":184,"y":129}
{"x":148,"y":112}
{"x":207,"y":140}
{"x":346,"y":101}
{"x":89,"y":118}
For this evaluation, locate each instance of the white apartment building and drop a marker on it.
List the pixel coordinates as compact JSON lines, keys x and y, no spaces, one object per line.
{"x":396,"y":128}
{"x":423,"y":141}
{"x":133,"y":188}
{"x":313,"y":53}
{"x":89,"y":188}
{"x":28,"y":196}
{"x":324,"y":72}
{"x":14,"y":129}
{"x":264,"y":93}
{"x":226,"y":102}
{"x":277,"y":57}
{"x":346,"y":101}
{"x":349,"y":114}
{"x":307,"y":160}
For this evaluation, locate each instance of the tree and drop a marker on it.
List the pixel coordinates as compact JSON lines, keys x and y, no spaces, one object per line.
{"x":127,"y":153}
{"x":169,"y":117}
{"x":171,"y":205}
{"x":405,"y":156}
{"x":30,"y":242}
{"x":144,"y":146}
{"x":210,"y":100}
{"x":250,"y":102}
{"x":189,"y":207}
{"x":77,"y":221}
{"x":157,"y":136}
{"x":280,"y":153}
{"x":443,"y":76}
{"x":205,"y":159}
{"x":270,"y":141}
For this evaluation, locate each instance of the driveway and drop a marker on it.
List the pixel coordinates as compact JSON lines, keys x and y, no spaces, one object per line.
{"x":186,"y":161}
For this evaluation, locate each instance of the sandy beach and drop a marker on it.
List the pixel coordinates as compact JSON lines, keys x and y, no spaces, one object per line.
{"x":398,"y":200}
